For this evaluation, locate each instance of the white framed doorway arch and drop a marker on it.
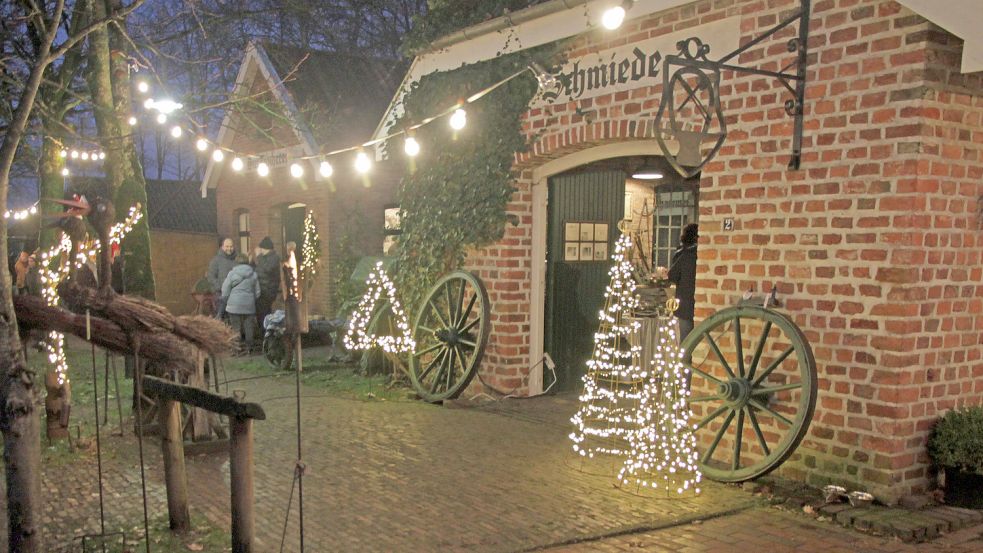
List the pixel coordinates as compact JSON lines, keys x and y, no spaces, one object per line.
{"x":540,"y":199}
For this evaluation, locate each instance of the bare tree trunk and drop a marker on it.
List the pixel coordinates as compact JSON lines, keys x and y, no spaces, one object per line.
{"x":19,"y":419}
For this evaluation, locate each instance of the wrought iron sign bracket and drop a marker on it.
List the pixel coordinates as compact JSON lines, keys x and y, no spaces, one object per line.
{"x":691,"y":65}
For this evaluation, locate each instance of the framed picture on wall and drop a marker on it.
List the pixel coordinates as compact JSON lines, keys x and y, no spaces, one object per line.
{"x":600,"y":232}
{"x":571,"y":232}
{"x":571,"y":251}
{"x":586,"y":232}
{"x":586,"y":251}
{"x":628,"y":206}
{"x":600,"y":251}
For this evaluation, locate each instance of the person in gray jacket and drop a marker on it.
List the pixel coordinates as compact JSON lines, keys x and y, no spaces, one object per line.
{"x":218,"y":269}
{"x":240,"y":291}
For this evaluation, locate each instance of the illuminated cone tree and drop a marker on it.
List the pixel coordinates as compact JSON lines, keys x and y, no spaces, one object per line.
{"x":612,"y":385}
{"x":358,"y":336}
{"x":662,"y":455}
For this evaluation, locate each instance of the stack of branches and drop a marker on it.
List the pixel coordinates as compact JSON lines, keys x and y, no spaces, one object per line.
{"x":128,"y":325}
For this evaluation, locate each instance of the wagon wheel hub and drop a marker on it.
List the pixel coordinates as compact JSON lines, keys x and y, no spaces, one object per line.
{"x":448,"y":335}
{"x":735,"y":391}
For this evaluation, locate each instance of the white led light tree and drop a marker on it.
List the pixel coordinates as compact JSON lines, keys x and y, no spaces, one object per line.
{"x":663,"y":455}
{"x":614,"y":379}
{"x":358,"y":336}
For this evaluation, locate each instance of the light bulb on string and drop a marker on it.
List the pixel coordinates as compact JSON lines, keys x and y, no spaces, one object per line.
{"x":102,"y":155}
{"x":459,"y":119}
{"x":296,"y":170}
{"x":218,"y":155}
{"x":161,"y":119}
{"x":201,"y":144}
{"x":176,"y":131}
{"x":237,"y":164}
{"x":63,"y":154}
{"x":362,"y":163}
{"x":614,"y":16}
{"x":326,"y":169}
{"x":148,"y":103}
{"x":143,"y":87}
{"x":64,"y":171}
{"x":84,"y":156}
{"x":262,"y":169}
{"x":411,"y":146}
{"x":75,"y":154}
{"x":132,"y":121}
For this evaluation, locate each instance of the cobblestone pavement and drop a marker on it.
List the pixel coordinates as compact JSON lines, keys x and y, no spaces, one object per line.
{"x":407,"y":476}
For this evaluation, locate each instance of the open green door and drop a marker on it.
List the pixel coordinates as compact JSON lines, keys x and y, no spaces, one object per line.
{"x":584,"y":209}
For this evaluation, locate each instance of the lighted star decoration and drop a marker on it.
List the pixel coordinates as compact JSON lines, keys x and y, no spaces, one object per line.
{"x":662,"y":454}
{"x":54,"y":267}
{"x":612,"y":385}
{"x":358,"y":337}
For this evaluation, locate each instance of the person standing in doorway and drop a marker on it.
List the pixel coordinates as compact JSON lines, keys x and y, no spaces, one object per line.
{"x":218,"y":269}
{"x":240,"y":292}
{"x":682,"y":273}
{"x":268,"y":270}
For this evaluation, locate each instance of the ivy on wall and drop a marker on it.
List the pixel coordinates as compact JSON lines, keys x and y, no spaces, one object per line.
{"x":457,"y":197}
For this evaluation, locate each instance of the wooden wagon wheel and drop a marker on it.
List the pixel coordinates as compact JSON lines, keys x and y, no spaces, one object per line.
{"x":753,"y":391}
{"x":450,"y":330}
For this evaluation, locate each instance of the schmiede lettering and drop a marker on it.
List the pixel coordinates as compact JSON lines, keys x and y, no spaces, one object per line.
{"x":635,"y":67}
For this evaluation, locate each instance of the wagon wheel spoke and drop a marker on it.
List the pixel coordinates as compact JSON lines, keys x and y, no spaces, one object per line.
{"x":426,"y":329}
{"x":468,"y":343}
{"x":440,"y":373}
{"x":717,"y":438}
{"x":711,"y":416}
{"x":757,"y":430}
{"x":466,"y":312}
{"x":460,"y":304}
{"x":448,"y":295}
{"x":720,"y":356}
{"x":428,"y":350}
{"x":739,"y":346}
{"x":774,"y":365}
{"x":758,"y":350}
{"x":706,"y":375}
{"x":470,"y":326}
{"x":435,"y":311}
{"x":737,"y":440}
{"x":431,"y":365}
{"x":762,"y":407}
{"x":704,"y":398}
{"x":773,"y":389}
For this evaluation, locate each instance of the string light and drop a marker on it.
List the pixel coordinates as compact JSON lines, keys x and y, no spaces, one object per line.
{"x":358,"y":338}
{"x":176,"y":131}
{"x":75,"y":154}
{"x":296,"y":170}
{"x":21,"y":214}
{"x":411,"y":146}
{"x":612,"y":385}
{"x":84,"y":156}
{"x":237,"y":164}
{"x":262,"y":169}
{"x":613,"y":17}
{"x":132,"y":121}
{"x":63,"y":154}
{"x":161,"y":119}
{"x":143,"y":87}
{"x":201,"y":144}
{"x":64,"y":171}
{"x":459,"y":119}
{"x":663,"y":449}
{"x":362,"y":163}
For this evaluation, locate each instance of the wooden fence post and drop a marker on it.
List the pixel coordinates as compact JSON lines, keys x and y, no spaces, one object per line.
{"x":172,"y":444}
{"x":241,"y":469}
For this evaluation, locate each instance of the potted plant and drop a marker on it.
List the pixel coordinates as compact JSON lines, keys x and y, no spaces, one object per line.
{"x":956,"y":447}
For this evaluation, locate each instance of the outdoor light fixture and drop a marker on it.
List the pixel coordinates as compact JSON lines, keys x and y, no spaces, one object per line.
{"x":362,"y":163}
{"x":613,"y":17}
{"x":296,"y":170}
{"x":459,"y":119}
{"x":262,"y":169}
{"x":148,"y":103}
{"x":326,"y":169}
{"x":75,"y":154}
{"x":411,"y":146}
{"x":132,"y":121}
{"x":161,"y":119}
{"x":85,"y":156}
{"x":63,"y":153}
{"x":165,"y":106}
{"x":102,"y":155}
{"x":176,"y":131}
{"x":143,"y":87}
{"x":64,"y":171}
{"x":237,"y":164}
{"x":218,"y":155}
{"x":647,"y":172}
{"x":201,"y":144}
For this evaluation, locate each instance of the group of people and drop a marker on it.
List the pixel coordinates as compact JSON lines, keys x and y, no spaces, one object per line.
{"x":247,"y":286}
{"x":27,"y":274}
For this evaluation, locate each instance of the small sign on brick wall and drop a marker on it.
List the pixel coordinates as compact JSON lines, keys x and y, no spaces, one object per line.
{"x":729,"y":223}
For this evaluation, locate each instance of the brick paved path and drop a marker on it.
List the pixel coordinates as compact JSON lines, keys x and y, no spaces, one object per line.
{"x":407,"y":476}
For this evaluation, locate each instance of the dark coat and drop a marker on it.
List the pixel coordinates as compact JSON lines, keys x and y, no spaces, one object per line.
{"x":268,"y":272}
{"x":682,"y":273}
{"x":219,"y":268}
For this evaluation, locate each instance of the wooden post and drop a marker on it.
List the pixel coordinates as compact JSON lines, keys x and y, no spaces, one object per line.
{"x":175,"y":477}
{"x":241,"y":469}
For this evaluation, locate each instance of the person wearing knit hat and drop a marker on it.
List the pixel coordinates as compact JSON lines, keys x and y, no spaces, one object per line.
{"x":268,"y":270}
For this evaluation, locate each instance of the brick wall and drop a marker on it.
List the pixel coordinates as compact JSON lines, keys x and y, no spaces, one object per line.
{"x":176,"y":275}
{"x":874,"y":244}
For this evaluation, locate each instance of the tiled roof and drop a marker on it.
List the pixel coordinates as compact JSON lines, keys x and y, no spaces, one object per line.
{"x":341,"y":96}
{"x":178,"y":205}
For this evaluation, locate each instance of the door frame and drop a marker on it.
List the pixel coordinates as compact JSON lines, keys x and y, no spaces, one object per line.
{"x":540,"y":235}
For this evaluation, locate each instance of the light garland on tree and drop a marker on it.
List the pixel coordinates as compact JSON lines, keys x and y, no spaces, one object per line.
{"x":663,"y":448}
{"x":52,"y":275}
{"x":358,"y":338}
{"x":21,"y":213}
{"x":311,"y":250}
{"x":612,"y":385}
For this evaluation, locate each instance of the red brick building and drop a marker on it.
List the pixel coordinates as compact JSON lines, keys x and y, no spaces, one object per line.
{"x":874,"y":243}
{"x":297,"y":106}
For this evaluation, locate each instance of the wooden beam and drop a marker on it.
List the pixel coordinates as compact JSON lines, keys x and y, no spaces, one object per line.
{"x":241,"y":483}
{"x":175,"y":476}
{"x":188,"y":395}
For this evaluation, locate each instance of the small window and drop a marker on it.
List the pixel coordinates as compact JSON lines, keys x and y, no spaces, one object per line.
{"x":675,"y":207}
{"x":242,"y":230}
